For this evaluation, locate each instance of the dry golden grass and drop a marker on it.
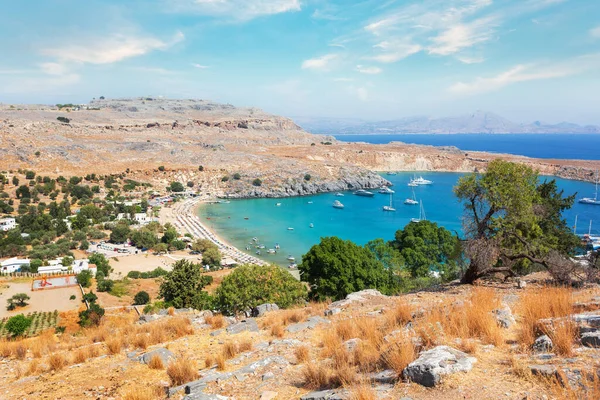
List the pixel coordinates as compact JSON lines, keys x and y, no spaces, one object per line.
{"x":178,"y":327}
{"x":33,"y":367}
{"x":215,"y":321}
{"x":80,"y":356}
{"x":302,"y":353}
{"x":229,"y":350}
{"x":93,"y":351}
{"x":468,"y":346}
{"x":6,"y":349}
{"x":316,"y":376}
{"x":399,"y":315}
{"x":284,"y":317}
{"x":141,"y":341}
{"x":399,"y":355}
{"x":519,"y":368}
{"x":537,"y":304}
{"x":330,"y":342}
{"x":182,"y":370}
{"x":587,"y":389}
{"x":245,"y":345}
{"x":156,"y":362}
{"x":563,"y":334}
{"x":346,"y":329}
{"x":114,"y":345}
{"x":363,"y":392}
{"x":343,"y":375}
{"x":220,"y":361}
{"x":143,"y":392}
{"x":157,"y":335}
{"x":366,"y":356}
{"x":209,"y":361}
{"x":171,"y":311}
{"x":20,"y":350}
{"x":277,"y":330}
{"x":56,"y":362}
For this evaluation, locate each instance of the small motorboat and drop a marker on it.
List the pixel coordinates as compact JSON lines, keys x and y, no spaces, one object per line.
{"x":277,"y":245}
{"x":293,"y":266}
{"x":310,"y":202}
{"x":311,"y":225}
{"x":338,"y":204}
{"x":271,"y":251}
{"x":258,"y":252}
{"x":278,"y":204}
{"x":364,"y":193}
{"x":290,"y":229}
{"x":290,"y":258}
{"x":339,"y":194}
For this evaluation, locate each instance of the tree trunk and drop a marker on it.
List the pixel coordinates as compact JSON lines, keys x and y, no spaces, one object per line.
{"x":471,"y":274}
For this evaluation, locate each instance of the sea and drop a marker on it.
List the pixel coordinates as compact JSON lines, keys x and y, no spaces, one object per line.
{"x":554,"y":146}
{"x":362,"y":218}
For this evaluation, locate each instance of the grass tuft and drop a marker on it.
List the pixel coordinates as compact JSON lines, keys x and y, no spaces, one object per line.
{"x":182,"y":370}
{"x":156,"y":362}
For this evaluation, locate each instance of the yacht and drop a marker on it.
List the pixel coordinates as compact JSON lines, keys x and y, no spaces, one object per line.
{"x":593,"y":201}
{"x":339,"y":194}
{"x":420,"y":181}
{"x":255,"y":239}
{"x":290,"y":258}
{"x":223,"y":202}
{"x":392,"y":173}
{"x":311,"y":225}
{"x":421,"y":215}
{"x":337,"y":204}
{"x":290,"y":229}
{"x":386,"y":190}
{"x":278,"y":204}
{"x":363,"y":193}
{"x":271,"y":251}
{"x":310,"y":202}
{"x":277,"y":246}
{"x":293,"y":265}
{"x":411,"y":202}
{"x":412,"y":183}
{"x":390,"y":207}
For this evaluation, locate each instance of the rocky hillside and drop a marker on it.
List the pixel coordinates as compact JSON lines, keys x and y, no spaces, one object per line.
{"x":504,"y":341}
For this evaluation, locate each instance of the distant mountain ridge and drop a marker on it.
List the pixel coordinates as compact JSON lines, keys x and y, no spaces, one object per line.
{"x":477,"y":122}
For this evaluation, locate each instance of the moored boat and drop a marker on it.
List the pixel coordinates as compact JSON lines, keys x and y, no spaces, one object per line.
{"x":364,"y":193}
{"x":337,"y":204}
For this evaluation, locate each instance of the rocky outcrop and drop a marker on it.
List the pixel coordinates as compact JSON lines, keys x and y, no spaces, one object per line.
{"x":428,"y":369}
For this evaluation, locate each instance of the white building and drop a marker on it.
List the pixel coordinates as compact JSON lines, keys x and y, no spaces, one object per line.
{"x":140,"y":218}
{"x":55,"y":266}
{"x":6,"y":224}
{"x":13,"y":265}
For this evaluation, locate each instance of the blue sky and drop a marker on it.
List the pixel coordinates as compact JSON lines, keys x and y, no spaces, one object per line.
{"x":372,"y":59}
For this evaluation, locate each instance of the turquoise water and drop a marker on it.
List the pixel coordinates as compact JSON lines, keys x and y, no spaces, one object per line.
{"x":361,"y":220}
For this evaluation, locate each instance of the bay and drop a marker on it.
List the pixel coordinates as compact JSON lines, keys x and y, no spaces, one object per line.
{"x":361,"y":220}
{"x":554,"y":146}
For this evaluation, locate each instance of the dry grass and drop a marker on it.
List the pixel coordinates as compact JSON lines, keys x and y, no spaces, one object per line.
{"x":6,"y":349}
{"x":284,"y":317}
{"x":366,"y":356}
{"x":399,"y":355}
{"x":33,"y":367}
{"x":80,"y":356}
{"x":93,"y":351}
{"x":277,"y":330}
{"x":519,"y":368}
{"x":42,"y":344}
{"x":215,"y":321}
{"x":20,"y":350}
{"x":220,"y":361}
{"x":245,"y":345}
{"x":537,"y":304}
{"x":468,"y":346}
{"x":114,"y":345}
{"x":588,"y":389}
{"x":316,"y":377}
{"x":209,"y":361}
{"x":346,"y":329}
{"x":343,"y":374}
{"x":171,"y":311}
{"x":182,"y":370}
{"x":141,"y":341}
{"x":563,"y":334}
{"x":56,"y":362}
{"x":156,"y":362}
{"x":302,"y":353}
{"x":230,"y":350}
{"x":157,"y":334}
{"x":363,"y":392}
{"x":143,"y":392}
{"x":399,"y":315}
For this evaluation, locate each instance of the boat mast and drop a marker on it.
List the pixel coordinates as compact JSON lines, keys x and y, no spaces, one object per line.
{"x":575,"y":227}
{"x":590,"y":229}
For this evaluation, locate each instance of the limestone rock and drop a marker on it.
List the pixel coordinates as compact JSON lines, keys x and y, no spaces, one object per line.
{"x":542,"y":344}
{"x":311,"y":323}
{"x":242,"y":326}
{"x":546,"y":371}
{"x":264,"y":308}
{"x":591,"y":339}
{"x":504,"y":317}
{"x":164,"y":355}
{"x":431,"y":365}
{"x":268,"y":395}
{"x":336,"y":394}
{"x":332,"y":311}
{"x":355,"y":297}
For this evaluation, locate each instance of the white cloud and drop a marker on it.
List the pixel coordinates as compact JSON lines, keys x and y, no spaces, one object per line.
{"x":524,"y":73}
{"x":460,"y":36}
{"x":200,"y":66}
{"x":470,"y":60}
{"x":595,"y":32}
{"x":238,"y":10}
{"x":395,"y":51}
{"x":343,"y":79}
{"x":322,"y":63}
{"x":110,"y":49}
{"x":51,"y":68}
{"x":368,"y":70}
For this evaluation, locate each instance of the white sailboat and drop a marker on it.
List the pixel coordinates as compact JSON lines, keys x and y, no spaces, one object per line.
{"x":593,"y":201}
{"x":422,"y":216}
{"x":390,"y":207}
{"x":413,"y":201}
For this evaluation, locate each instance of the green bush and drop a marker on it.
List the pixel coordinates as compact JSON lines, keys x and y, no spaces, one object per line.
{"x":141,"y":298}
{"x":17,"y":325}
{"x":89,"y":297}
{"x":91,"y":317}
{"x":237,"y":176}
{"x":249,"y":286}
{"x":133,"y":274}
{"x":105,"y":285}
{"x":84,"y":278}
{"x":72,"y":297}
{"x":176,"y":187}
{"x":225,"y":178}
{"x":182,"y":287}
{"x":307,"y":177}
{"x":257,"y":182}
{"x":161,"y":168}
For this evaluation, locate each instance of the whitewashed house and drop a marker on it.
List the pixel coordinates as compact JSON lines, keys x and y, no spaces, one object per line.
{"x":13,"y":265}
{"x":140,"y":218}
{"x":6,"y":224}
{"x":55,"y":266}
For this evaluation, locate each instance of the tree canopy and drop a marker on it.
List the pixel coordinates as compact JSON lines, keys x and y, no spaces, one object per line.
{"x":252,"y":285}
{"x":513,"y":221}
{"x":335,"y":267}
{"x":182,"y":287}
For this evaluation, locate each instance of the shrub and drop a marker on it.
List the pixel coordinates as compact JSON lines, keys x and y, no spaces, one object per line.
{"x":176,"y":187}
{"x":182,"y":287}
{"x":141,"y":298}
{"x":307,"y":177}
{"x":251,"y":285}
{"x":201,"y":168}
{"x":302,"y":354}
{"x":84,"y":278}
{"x":17,"y":325}
{"x":237,"y":176}
{"x":72,"y":297}
{"x":17,"y":300}
{"x":161,"y":168}
{"x":156,"y":362}
{"x":225,"y":178}
{"x":64,"y":120}
{"x":257,"y":182}
{"x":89,"y":297}
{"x":182,"y":370}
{"x":190,"y":184}
{"x":56,"y":362}
{"x":91,"y":317}
{"x":105,"y":285}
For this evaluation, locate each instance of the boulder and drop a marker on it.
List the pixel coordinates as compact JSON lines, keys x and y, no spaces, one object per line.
{"x":504,"y":317}
{"x":546,"y":371}
{"x":356,"y":296}
{"x":431,"y":365}
{"x":351,"y":344}
{"x":268,"y":376}
{"x":591,"y":339}
{"x":542,"y":344}
{"x":263,"y":309}
{"x":336,"y":394}
{"x":311,"y":323}
{"x":242,"y":326}
{"x":332,"y":311}
{"x":164,"y":354}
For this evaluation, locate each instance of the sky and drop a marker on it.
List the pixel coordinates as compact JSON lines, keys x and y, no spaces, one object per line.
{"x":371,"y":59}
